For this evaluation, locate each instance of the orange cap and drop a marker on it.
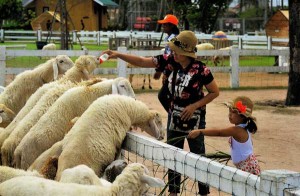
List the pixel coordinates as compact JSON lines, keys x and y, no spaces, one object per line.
{"x":169,"y":19}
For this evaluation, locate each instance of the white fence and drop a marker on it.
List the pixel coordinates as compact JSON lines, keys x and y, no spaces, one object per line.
{"x":100,"y":37}
{"x":223,"y":178}
{"x":122,"y":70}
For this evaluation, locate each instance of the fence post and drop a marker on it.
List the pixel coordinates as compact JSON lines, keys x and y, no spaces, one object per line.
{"x":234,"y":64}
{"x":74,"y":37}
{"x":122,"y":64}
{"x":39,"y":35}
{"x":275,"y":182}
{"x":240,"y":43}
{"x":2,"y":35}
{"x":269,"y":44}
{"x":2,"y":65}
{"x":98,"y":38}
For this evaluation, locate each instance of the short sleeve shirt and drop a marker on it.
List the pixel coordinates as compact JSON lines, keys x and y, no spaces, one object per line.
{"x":189,"y":82}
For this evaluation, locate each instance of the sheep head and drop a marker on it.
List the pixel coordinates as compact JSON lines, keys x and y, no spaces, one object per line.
{"x":6,"y":115}
{"x":154,"y":125}
{"x":135,"y":177}
{"x":87,"y":64}
{"x":122,"y":86}
{"x":113,"y":170}
{"x":61,"y":63}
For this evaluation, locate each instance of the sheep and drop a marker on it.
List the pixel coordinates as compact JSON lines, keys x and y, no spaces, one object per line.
{"x":132,"y":181}
{"x":7,"y":173}
{"x":144,"y":75}
{"x":101,"y":130}
{"x":87,"y":63}
{"x":26,"y":83}
{"x":70,"y":105}
{"x":6,"y":115}
{"x":204,"y":46}
{"x":50,"y":46}
{"x":220,"y":58}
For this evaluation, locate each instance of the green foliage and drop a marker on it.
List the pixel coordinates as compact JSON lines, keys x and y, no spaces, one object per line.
{"x":10,"y":9}
{"x":202,"y":15}
{"x":252,"y":12}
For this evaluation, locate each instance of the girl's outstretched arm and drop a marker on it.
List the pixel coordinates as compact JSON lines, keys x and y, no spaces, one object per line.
{"x":230,"y":131}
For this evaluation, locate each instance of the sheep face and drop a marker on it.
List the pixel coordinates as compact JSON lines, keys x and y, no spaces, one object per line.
{"x":63,"y":63}
{"x":113,"y":170}
{"x":6,"y":115}
{"x":122,"y":86}
{"x":154,"y":126}
{"x":87,"y":63}
{"x":138,"y":174}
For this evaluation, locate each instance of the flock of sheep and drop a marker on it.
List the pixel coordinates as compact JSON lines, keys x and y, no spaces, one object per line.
{"x":61,"y":131}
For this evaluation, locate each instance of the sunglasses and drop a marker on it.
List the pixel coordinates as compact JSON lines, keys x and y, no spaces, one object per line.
{"x":182,"y":45}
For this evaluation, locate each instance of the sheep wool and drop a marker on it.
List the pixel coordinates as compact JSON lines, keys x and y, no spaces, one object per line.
{"x":132,"y":181}
{"x":26,"y":83}
{"x":7,"y":173}
{"x":68,"y":106}
{"x":74,"y":74}
{"x":97,"y":135}
{"x":84,"y":65}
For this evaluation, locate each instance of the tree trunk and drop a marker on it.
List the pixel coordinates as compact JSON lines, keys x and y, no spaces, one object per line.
{"x":293,"y":94}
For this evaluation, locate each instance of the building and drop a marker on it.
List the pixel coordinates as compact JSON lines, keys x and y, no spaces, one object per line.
{"x":89,"y":15}
{"x":278,"y":24}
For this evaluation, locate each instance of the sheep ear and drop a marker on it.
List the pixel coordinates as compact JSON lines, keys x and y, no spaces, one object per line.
{"x":55,"y":70}
{"x":154,"y":128}
{"x":86,"y":73}
{"x":114,"y":89}
{"x":73,"y":121}
{"x":152,"y":182}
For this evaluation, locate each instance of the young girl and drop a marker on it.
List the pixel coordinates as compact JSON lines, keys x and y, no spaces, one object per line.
{"x":240,"y":114}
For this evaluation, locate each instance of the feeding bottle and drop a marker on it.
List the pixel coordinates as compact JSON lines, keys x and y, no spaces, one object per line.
{"x":103,"y":58}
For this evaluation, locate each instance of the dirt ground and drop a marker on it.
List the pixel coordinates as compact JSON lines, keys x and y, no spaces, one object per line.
{"x":277,"y":140}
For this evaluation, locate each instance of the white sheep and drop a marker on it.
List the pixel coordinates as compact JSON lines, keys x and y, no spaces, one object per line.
{"x":204,"y":46}
{"x":50,"y":46}
{"x":220,"y":58}
{"x":73,"y":75}
{"x":132,"y":181}
{"x":84,"y":65}
{"x":26,"y":83}
{"x":101,"y":130}
{"x":70,"y":105}
{"x":6,"y":115}
{"x":7,"y":173}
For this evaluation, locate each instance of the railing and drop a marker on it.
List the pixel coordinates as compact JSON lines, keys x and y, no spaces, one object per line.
{"x":224,"y":178}
{"x":101,"y":37}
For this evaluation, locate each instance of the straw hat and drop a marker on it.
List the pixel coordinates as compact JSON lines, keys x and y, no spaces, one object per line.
{"x":243,"y":105}
{"x":169,"y":19}
{"x":184,"y":44}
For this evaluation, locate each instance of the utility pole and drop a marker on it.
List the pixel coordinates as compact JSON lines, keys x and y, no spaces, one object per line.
{"x":64,"y":38}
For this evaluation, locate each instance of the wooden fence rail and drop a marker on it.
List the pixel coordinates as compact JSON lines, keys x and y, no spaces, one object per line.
{"x":122,"y":70}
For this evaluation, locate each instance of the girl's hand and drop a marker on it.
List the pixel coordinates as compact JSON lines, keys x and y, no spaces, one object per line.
{"x":194,"y":133}
{"x":188,"y":112}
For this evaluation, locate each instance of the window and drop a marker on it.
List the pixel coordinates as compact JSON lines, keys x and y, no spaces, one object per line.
{"x":45,"y":9}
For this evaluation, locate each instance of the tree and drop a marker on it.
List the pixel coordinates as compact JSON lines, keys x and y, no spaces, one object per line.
{"x":293,"y":94}
{"x":10,"y":9}
{"x":202,"y":15}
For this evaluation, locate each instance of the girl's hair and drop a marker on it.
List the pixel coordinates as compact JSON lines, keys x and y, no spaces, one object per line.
{"x":251,"y":125}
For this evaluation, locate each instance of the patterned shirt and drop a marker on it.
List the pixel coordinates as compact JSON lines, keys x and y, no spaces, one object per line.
{"x":189,"y":81}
